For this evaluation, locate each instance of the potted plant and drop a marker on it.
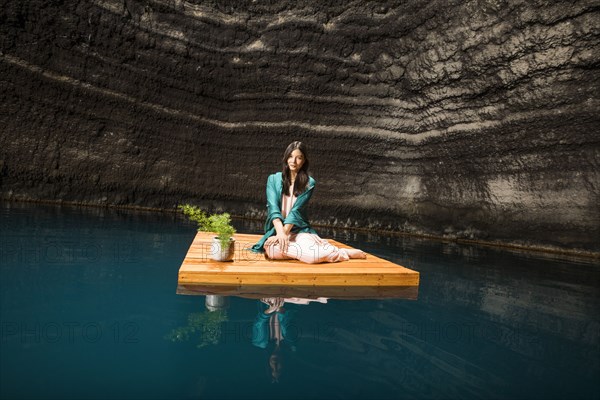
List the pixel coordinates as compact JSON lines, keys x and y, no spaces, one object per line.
{"x":222,"y":244}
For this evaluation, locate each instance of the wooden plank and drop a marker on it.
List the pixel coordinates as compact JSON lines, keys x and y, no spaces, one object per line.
{"x":365,"y":279}
{"x":251,"y":269}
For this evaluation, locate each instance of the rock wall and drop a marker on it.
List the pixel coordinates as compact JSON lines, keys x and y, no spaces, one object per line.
{"x":476,"y":119}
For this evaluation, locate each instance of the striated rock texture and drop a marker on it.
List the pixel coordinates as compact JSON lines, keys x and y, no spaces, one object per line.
{"x":476,"y":119}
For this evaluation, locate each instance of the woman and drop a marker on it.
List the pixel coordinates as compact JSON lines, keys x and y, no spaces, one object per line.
{"x":288,"y":234}
{"x":271,"y":326}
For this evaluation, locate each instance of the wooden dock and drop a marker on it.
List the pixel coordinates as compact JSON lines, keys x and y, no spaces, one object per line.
{"x":249,"y":271}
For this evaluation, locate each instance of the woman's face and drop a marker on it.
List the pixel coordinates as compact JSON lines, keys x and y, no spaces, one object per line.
{"x":275,"y":363}
{"x":295,"y":161}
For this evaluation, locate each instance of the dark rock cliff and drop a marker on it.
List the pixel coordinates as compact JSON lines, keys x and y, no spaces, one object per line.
{"x":476,"y":119}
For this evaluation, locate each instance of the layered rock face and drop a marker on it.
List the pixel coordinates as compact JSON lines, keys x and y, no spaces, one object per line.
{"x":475,"y":119}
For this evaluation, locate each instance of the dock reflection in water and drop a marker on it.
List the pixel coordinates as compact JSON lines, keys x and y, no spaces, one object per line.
{"x":308,"y":292}
{"x":273,"y":328}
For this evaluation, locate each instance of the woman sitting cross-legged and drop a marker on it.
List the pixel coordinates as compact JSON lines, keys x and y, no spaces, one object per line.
{"x":288,"y":234}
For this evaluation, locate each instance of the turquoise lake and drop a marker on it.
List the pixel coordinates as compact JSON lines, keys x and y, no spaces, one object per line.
{"x":88,"y":309}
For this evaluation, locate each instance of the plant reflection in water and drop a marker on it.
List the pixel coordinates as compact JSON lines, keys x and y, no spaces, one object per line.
{"x":271,"y":327}
{"x":205,"y":326}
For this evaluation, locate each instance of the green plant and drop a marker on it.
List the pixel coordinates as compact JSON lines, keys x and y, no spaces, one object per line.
{"x":205,"y":325}
{"x":217,"y":223}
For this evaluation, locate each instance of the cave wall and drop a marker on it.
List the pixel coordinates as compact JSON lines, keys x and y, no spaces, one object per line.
{"x":472,"y":119}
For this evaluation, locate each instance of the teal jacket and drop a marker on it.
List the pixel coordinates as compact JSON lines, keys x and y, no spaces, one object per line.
{"x":261,"y":330}
{"x":297,"y":215}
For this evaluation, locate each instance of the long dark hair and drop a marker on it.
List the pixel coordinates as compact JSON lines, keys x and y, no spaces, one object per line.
{"x":302,"y":177}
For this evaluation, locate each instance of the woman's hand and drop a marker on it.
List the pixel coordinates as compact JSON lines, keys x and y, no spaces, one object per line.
{"x":274,"y":303}
{"x":281,"y":239}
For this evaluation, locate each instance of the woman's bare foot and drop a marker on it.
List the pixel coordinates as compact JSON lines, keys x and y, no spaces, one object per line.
{"x":356,"y":253}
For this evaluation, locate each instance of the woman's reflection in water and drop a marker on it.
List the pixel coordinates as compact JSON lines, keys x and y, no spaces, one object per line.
{"x":272,"y":325}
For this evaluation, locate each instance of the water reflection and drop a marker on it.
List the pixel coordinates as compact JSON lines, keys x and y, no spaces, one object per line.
{"x":305,"y":292}
{"x":216,"y":303}
{"x":204,"y":328}
{"x":272,"y":329}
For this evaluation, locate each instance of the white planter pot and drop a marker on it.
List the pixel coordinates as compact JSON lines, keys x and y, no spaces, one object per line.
{"x":219,"y":254}
{"x":215,"y":302}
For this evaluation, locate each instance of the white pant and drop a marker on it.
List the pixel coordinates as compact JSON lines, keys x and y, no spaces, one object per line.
{"x":308,"y":248}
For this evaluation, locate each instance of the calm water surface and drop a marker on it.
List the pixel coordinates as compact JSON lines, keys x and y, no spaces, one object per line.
{"x":88,"y":309}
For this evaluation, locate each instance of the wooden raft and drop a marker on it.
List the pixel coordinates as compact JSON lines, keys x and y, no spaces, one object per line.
{"x":252,"y":269}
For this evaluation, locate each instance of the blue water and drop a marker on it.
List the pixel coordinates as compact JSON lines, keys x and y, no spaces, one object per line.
{"x":89,"y":309}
